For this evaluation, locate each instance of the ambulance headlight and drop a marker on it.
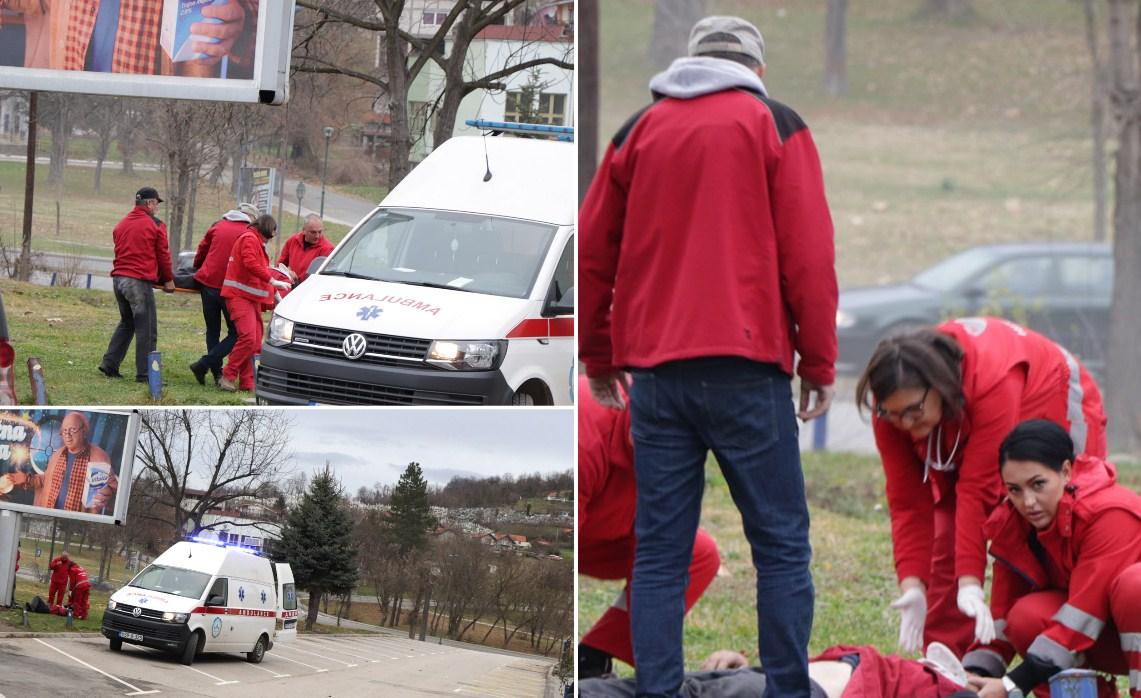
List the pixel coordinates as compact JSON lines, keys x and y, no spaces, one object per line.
{"x":467,"y":356}
{"x":175,"y":617}
{"x":280,"y":331}
{"x":111,"y":605}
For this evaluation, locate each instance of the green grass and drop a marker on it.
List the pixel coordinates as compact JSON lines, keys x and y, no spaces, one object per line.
{"x":368,"y":192}
{"x":12,"y":618}
{"x":68,"y":330}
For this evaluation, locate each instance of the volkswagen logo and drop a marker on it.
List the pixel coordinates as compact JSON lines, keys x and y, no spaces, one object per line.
{"x":137,"y":612}
{"x":354,"y":345}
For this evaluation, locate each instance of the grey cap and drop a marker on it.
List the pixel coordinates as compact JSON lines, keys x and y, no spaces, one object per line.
{"x":250,"y":210}
{"x":743,"y":37}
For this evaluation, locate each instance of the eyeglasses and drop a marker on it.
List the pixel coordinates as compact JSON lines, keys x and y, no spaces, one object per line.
{"x":71,"y":431}
{"x":908,"y":415}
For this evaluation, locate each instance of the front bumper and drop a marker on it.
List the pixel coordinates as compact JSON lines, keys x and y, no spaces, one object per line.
{"x":288,"y":377}
{"x":156,"y":633}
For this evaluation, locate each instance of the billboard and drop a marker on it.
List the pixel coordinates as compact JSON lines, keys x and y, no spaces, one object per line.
{"x":67,"y":463}
{"x":228,"y":50}
{"x":257,"y":186}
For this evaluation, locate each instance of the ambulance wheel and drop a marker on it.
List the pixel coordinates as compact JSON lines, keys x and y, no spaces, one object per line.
{"x":116,"y":645}
{"x":523,"y":399}
{"x":258,"y":652}
{"x":191,"y":649}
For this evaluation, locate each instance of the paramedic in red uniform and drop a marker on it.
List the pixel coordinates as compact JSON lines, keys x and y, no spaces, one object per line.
{"x":606,"y":530}
{"x":58,"y":585}
{"x":300,"y":250}
{"x":142,"y":258}
{"x":706,"y":263}
{"x":80,"y":591}
{"x":1067,"y":574}
{"x":942,"y":400}
{"x":246,"y":288}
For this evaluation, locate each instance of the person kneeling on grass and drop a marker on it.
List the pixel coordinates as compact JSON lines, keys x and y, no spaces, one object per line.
{"x":839,"y":672}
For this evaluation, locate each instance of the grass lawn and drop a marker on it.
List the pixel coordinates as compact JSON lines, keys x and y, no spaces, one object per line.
{"x":68,"y":330}
{"x":12,"y":618}
{"x":852,"y":563}
{"x":368,"y":192}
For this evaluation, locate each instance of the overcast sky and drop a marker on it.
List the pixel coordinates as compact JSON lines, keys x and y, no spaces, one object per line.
{"x":367,"y":446}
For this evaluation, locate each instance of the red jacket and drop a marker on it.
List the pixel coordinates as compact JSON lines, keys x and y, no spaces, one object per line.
{"x":1095,"y":535}
{"x":298,"y":257}
{"x":705,"y":232}
{"x":78,"y":577}
{"x":1004,"y":366}
{"x":606,"y":493}
{"x":214,"y":251}
{"x":141,"y":250}
{"x":59,"y":571}
{"x":879,"y":675}
{"x":247,"y":274}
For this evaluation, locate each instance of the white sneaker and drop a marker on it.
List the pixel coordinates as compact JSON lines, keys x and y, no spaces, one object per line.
{"x":943,"y":660}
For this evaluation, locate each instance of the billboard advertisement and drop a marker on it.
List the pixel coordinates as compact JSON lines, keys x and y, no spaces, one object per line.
{"x":67,"y":463}
{"x":229,"y":50}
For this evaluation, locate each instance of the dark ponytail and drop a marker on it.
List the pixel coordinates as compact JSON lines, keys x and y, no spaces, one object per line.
{"x":1038,"y":440}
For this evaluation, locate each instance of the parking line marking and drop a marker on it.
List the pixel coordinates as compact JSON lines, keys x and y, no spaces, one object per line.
{"x":358,"y":656}
{"x":258,"y":666}
{"x":347,"y":664}
{"x":281,"y":656}
{"x":377,"y":648}
{"x":137,"y":691}
{"x":220,"y":680}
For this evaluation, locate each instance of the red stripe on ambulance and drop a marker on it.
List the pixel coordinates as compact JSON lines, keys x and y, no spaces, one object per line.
{"x":542,"y":328}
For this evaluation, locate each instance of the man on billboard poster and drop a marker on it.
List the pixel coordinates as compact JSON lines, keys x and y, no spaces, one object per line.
{"x":79,"y":476}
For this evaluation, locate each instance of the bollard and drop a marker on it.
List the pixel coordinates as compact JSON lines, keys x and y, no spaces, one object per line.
{"x":52,"y":283}
{"x":70,"y":622}
{"x":820,"y":432}
{"x":1074,"y":683}
{"x":154,"y":373}
{"x":26,"y":623}
{"x":39,"y":387}
{"x":89,"y":281}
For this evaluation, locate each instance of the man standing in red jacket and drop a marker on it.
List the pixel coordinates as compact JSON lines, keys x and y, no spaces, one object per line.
{"x":300,"y":250}
{"x":246,"y":287}
{"x":706,"y":262}
{"x":80,"y":591}
{"x":210,"y":260}
{"x":142,"y":258}
{"x":58,"y":584}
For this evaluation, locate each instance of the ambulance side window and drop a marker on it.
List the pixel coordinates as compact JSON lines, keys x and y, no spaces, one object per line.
{"x":290,"y":601}
{"x":562,"y":283}
{"x":217,"y":595}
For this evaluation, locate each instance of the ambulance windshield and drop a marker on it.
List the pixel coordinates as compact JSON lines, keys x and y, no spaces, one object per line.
{"x":172,"y":580}
{"x":445,"y":249}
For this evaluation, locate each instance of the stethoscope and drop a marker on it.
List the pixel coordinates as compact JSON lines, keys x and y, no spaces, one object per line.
{"x":939,"y":463}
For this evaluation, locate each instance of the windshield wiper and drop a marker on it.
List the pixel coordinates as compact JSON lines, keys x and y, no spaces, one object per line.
{"x":351,"y":275}
{"x":430,"y":284}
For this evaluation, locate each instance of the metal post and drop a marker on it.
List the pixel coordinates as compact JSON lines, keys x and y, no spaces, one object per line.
{"x":325,"y":172}
{"x":154,"y":373}
{"x":820,"y":433}
{"x":24,"y":269}
{"x":39,"y":386}
{"x":9,"y":545}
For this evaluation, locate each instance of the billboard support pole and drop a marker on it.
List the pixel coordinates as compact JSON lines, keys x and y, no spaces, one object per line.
{"x":9,"y":540}
{"x":51,"y":550}
{"x":24,"y":269}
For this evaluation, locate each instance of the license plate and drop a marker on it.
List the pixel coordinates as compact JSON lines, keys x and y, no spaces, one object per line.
{"x":123,"y":635}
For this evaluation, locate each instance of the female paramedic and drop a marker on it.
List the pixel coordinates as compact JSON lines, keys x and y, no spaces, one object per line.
{"x":1067,"y":571}
{"x":942,"y":400}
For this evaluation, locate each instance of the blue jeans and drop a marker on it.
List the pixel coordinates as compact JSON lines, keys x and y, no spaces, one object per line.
{"x":743,"y":412}
{"x":213,"y":312}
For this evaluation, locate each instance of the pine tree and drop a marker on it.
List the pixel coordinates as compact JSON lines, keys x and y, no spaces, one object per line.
{"x":317,"y":542}
{"x":411,"y":517}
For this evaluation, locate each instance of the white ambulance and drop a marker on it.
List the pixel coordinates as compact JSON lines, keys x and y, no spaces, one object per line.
{"x":201,"y":597}
{"x":457,"y":290}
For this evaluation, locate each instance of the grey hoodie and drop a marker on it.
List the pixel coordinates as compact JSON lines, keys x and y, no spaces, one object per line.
{"x":236,"y":215}
{"x":696,"y":76}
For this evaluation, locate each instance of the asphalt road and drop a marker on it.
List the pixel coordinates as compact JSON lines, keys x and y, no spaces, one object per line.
{"x":352,"y":666}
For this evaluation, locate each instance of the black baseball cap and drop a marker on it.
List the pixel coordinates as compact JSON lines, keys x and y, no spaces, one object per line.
{"x":147,"y":193}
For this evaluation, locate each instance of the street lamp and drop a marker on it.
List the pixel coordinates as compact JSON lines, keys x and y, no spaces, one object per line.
{"x":300,"y":195}
{"x":325,"y":173}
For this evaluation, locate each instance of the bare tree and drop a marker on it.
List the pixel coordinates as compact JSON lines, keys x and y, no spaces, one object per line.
{"x":672,"y":21}
{"x":1124,"y":390}
{"x":101,"y":116}
{"x":220,"y":455}
{"x":1097,"y":122}
{"x":835,"y":53}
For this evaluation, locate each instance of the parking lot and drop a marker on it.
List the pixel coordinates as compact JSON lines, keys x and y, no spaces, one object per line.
{"x":310,"y":666}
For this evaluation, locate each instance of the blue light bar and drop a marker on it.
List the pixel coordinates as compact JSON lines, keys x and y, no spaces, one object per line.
{"x":562,"y":133}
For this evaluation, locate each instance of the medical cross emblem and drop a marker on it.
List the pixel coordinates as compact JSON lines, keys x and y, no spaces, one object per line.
{"x":369,"y":312}
{"x":241,"y":593}
{"x":263,"y":595}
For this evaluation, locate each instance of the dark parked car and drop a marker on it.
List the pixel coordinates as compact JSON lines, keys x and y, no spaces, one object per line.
{"x":1061,"y":290}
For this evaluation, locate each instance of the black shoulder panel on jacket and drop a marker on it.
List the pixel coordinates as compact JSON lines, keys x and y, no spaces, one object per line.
{"x":788,"y":121}
{"x":620,"y":137}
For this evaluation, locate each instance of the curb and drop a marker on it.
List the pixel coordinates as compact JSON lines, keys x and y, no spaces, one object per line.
{"x":16,"y":635}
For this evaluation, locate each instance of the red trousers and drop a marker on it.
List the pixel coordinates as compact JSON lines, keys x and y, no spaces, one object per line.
{"x":246,"y":315}
{"x":80,"y":602}
{"x":615,"y":560}
{"x":945,"y":622}
{"x":56,"y":589}
{"x":1117,"y":650}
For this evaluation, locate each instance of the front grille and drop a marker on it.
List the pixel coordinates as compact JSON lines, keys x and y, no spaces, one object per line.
{"x":128,"y":610}
{"x":326,"y":341}
{"x":116,"y":622}
{"x":340,"y":392}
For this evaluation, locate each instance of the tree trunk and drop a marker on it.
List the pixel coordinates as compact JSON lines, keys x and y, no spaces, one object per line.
{"x":314,"y":608}
{"x":835,"y":54}
{"x":61,"y":129}
{"x":672,"y":21}
{"x":587,"y":131}
{"x":1097,"y":124}
{"x":454,"y":92}
{"x":397,"y":108}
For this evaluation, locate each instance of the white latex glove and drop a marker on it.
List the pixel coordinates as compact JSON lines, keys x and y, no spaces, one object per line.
{"x":972,"y":603}
{"x":283,"y":285}
{"x":912,"y":606}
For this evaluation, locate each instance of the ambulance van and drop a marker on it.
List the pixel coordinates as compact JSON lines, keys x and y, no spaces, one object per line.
{"x":201,"y":597}
{"x":457,"y":290}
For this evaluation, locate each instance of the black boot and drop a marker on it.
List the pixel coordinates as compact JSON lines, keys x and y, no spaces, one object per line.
{"x":593,"y":662}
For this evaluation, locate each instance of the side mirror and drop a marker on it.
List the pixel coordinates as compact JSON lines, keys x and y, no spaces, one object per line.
{"x":563,"y":305}
{"x":314,"y":266}
{"x":216,"y":600}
